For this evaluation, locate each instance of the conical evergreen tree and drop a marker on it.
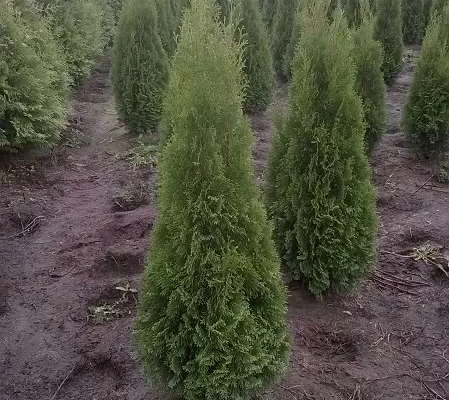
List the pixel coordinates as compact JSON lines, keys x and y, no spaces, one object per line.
{"x":369,"y":83}
{"x":388,"y":31}
{"x":211,"y":321}
{"x":319,"y":191}
{"x":426,"y":119}
{"x":258,"y":64}
{"x":33,"y":78}
{"x":282,"y":32}
{"x":412,"y":20}
{"x":140,"y":66}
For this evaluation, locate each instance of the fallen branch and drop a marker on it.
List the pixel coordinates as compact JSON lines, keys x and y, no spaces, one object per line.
{"x":62,"y":383}
{"x":424,"y":184}
{"x":28,"y":228}
{"x":399,"y":289}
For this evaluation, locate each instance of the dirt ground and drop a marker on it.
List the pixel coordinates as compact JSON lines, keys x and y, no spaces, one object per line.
{"x":73,"y":243}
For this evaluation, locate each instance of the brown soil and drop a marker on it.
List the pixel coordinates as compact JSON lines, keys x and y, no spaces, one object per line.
{"x":65,"y":248}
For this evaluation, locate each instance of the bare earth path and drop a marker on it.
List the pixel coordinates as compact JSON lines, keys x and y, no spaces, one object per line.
{"x":65,"y":328}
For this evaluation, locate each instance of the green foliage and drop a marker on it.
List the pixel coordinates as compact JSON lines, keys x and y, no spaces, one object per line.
{"x":282,"y":32}
{"x":258,"y":66}
{"x":116,"y":6}
{"x":369,"y":83}
{"x":78,"y":27}
{"x":319,"y":191}
{"x":438,"y":6}
{"x":167,"y":23}
{"x":292,"y":44}
{"x":388,"y":31}
{"x":427,"y":9}
{"x":426,"y":119}
{"x":268,"y":11}
{"x":33,"y":78}
{"x":211,"y":321}
{"x":412,"y":21}
{"x":140,"y":67}
{"x":354,"y":11}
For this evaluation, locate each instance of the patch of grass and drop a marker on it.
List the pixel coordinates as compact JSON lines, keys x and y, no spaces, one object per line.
{"x":143,"y":155}
{"x":132,"y":196}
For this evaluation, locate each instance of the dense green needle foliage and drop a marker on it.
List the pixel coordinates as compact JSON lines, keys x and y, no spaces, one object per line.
{"x":369,"y":82}
{"x":269,"y":10}
{"x":258,"y":63}
{"x":33,"y":78}
{"x":211,"y":322}
{"x":140,"y":67}
{"x":438,"y":6}
{"x":426,"y":119}
{"x":427,"y":10}
{"x":354,"y":11}
{"x":412,"y":21}
{"x":319,"y":192}
{"x":282,"y":32}
{"x":388,"y":31}
{"x":292,"y":44}
{"x":78,"y":26}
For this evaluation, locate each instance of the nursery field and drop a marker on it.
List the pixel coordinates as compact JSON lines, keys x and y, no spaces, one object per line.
{"x":72,"y":247}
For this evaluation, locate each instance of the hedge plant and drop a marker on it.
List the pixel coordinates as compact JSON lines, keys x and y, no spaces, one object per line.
{"x":211,"y":321}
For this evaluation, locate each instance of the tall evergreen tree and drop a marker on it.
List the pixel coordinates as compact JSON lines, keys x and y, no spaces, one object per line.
{"x":140,"y":66}
{"x":33,"y":78}
{"x":412,"y":21}
{"x":282,"y":32}
{"x":319,"y":191}
{"x":211,"y":321}
{"x":258,"y":64}
{"x":388,"y":31}
{"x":426,"y":119}
{"x":369,"y":83}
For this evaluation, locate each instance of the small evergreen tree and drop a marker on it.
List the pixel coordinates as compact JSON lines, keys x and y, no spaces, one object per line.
{"x":388,"y":31}
{"x":33,"y":78}
{"x":426,"y":119}
{"x":369,"y":83}
{"x":140,"y":67}
{"x":211,"y":321}
{"x":258,"y":64}
{"x":282,"y":32}
{"x":319,"y":191}
{"x":412,"y":21}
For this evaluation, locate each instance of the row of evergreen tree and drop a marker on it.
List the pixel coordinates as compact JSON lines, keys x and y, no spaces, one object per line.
{"x":46,"y":47}
{"x":212,"y":312}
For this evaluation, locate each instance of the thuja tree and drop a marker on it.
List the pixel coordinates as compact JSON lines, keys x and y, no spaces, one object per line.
{"x":140,"y":67}
{"x":282,"y":32}
{"x":292,"y":44}
{"x":211,"y":321}
{"x":412,"y":21}
{"x":258,"y":64}
{"x":369,"y":83}
{"x":426,"y":119}
{"x":388,"y":31}
{"x":33,"y":79}
{"x":319,"y":191}
{"x":354,"y":11}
